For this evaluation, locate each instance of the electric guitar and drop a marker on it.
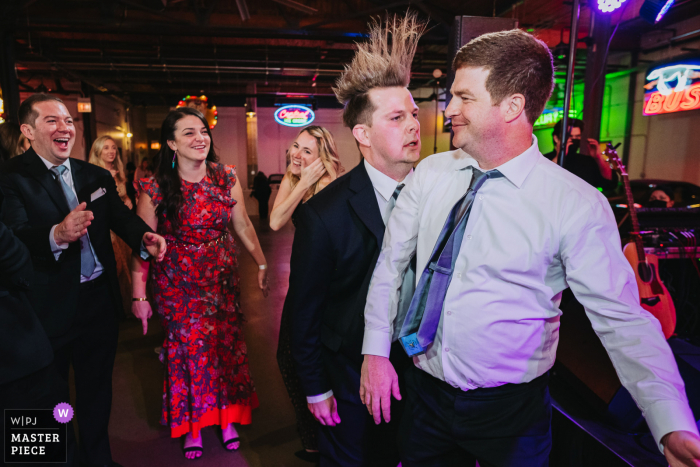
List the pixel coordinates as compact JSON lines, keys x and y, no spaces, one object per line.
{"x":653,"y":293}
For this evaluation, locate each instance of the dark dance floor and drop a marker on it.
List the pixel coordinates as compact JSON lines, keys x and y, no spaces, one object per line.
{"x":138,"y":439}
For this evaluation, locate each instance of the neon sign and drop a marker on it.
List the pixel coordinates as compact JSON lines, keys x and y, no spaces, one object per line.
{"x":549,"y":118}
{"x":673,"y":88}
{"x":294,"y":115}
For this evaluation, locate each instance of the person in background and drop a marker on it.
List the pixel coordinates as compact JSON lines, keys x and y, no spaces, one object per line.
{"x":130,"y":189}
{"x":261,"y":192}
{"x":314,"y":164}
{"x":63,"y":209}
{"x":143,"y":170}
{"x":575,"y":131}
{"x":12,"y":141}
{"x":594,"y":168}
{"x":191,"y":202}
{"x":661,"y":197}
{"x":103,"y":153}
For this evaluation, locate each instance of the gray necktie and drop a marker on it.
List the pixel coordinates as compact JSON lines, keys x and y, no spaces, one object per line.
{"x":87,"y":260}
{"x":395,"y":196}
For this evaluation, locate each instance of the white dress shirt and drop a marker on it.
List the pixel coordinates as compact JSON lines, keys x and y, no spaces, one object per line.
{"x":384,"y":187}
{"x":530,"y":234}
{"x":58,"y":249}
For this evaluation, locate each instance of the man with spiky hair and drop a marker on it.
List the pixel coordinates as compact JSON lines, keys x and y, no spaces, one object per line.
{"x":337,"y":241}
{"x":499,"y":232}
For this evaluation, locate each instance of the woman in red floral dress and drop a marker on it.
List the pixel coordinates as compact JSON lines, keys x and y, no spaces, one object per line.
{"x":191,"y":202}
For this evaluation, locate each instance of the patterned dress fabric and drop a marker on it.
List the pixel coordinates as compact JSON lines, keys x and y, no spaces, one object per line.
{"x":196,"y":292}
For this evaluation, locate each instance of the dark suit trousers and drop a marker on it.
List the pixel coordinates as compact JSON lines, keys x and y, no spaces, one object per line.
{"x":357,"y":441}
{"x":90,"y":346}
{"x":506,"y":426}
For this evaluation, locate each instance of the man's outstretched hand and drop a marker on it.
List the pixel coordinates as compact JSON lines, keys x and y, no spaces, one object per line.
{"x":326,"y":411}
{"x":682,"y":449}
{"x":377,"y":384}
{"x":155,"y":245}
{"x":73,"y":226}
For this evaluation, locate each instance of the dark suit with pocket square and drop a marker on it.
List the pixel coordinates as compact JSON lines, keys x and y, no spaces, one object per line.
{"x":79,"y":316}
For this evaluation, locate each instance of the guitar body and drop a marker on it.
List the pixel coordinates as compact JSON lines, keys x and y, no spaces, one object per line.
{"x":652,"y":292}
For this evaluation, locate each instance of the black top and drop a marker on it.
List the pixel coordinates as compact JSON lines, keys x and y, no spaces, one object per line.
{"x":586,"y":168}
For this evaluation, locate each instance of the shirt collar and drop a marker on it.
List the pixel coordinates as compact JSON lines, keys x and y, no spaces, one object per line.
{"x":518,"y":168}
{"x":384,"y":184}
{"x":50,"y":165}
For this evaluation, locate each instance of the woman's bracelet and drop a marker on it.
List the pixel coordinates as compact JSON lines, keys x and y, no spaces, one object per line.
{"x":262,"y":266}
{"x":139,"y":299}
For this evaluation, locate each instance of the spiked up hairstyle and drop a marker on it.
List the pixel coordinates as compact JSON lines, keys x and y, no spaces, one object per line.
{"x":381,"y":62}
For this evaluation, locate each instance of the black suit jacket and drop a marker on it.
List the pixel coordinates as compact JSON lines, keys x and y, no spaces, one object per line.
{"x":24,"y":346}
{"x":34,"y":203}
{"x":338,"y":237}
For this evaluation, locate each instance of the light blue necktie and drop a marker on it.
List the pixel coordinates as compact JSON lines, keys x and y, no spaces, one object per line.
{"x":423,"y":317}
{"x":87,"y":260}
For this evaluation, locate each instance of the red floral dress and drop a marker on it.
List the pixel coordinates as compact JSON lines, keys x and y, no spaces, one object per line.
{"x":196,"y":293}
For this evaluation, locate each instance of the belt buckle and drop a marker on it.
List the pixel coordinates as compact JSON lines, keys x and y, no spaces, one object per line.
{"x":411,"y":345}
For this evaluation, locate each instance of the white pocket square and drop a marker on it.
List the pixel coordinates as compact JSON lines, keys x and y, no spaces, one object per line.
{"x":99,"y":192}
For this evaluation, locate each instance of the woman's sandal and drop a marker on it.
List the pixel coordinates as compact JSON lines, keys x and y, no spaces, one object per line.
{"x":229,"y":442}
{"x":185,"y":450}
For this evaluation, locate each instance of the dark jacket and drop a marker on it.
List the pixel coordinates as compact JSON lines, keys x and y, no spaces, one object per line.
{"x":34,"y":202}
{"x":24,"y":347}
{"x":338,"y":237}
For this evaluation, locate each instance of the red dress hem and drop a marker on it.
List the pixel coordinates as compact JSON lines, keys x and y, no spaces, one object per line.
{"x":241,"y":414}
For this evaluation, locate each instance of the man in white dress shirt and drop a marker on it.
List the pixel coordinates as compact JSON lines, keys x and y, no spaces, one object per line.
{"x":529,"y":229}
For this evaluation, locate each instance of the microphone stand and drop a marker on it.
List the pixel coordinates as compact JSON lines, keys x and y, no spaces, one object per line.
{"x":573,"y":42}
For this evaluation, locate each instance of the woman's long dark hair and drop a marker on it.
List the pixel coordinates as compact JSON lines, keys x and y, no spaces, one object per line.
{"x":166,"y":175}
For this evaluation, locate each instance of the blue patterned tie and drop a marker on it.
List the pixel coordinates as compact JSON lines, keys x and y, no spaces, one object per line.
{"x":87,"y":260}
{"x":423,"y":317}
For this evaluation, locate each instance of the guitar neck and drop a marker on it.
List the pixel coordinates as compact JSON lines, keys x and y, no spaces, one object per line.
{"x":633,"y":216}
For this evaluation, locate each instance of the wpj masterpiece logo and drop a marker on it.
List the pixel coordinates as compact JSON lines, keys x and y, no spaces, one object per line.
{"x":294,"y":115}
{"x":673,"y":87}
{"x":37,"y":435}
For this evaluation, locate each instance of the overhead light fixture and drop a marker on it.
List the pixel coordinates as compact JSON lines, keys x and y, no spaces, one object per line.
{"x":608,"y":6}
{"x":654,"y":10}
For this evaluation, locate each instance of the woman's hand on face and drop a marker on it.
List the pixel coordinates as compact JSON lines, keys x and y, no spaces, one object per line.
{"x":128,"y":203}
{"x":262,"y":282}
{"x":312,"y":173}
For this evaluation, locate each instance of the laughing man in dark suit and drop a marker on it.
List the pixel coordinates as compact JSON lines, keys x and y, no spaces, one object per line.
{"x":63,"y":210}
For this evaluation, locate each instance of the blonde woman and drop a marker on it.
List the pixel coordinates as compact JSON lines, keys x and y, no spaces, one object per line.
{"x":104,"y":153}
{"x":314,"y":164}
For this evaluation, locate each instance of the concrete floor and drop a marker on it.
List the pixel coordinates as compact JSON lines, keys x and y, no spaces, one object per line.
{"x":138,"y":439}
